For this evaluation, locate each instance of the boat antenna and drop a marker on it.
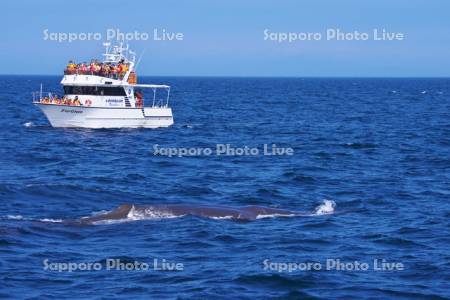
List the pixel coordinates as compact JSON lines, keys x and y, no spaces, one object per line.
{"x":106,"y":45}
{"x":140,"y":57}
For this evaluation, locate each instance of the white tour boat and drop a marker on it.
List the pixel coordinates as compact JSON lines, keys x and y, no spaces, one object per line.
{"x":106,"y":95}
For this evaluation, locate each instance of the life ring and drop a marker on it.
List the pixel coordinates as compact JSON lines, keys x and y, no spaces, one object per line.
{"x":88,"y":102}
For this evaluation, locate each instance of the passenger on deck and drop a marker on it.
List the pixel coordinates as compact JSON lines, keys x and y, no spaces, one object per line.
{"x":83,"y":68}
{"x":138,"y":99}
{"x":116,"y":71}
{"x":107,"y":70}
{"x":120,"y":70}
{"x":97,"y":68}
{"x":76,"y":102}
{"x":70,"y":67}
{"x":113,"y":71}
{"x":92,"y":67}
{"x":124,"y":69}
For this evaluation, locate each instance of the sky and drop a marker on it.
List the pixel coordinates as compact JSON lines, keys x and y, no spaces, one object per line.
{"x":227,"y":38}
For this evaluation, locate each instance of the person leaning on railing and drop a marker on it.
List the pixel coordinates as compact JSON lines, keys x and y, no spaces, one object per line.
{"x":113,"y":70}
{"x":71,"y":68}
{"x":124,"y":69}
{"x":76,"y":102}
{"x":83,"y":68}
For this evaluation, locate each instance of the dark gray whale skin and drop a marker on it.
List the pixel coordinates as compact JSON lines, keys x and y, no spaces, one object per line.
{"x":239,"y":213}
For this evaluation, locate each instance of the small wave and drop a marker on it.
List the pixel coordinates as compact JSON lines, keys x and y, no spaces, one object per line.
{"x":190,"y":126}
{"x":110,"y":222}
{"x":274,"y":216}
{"x":28,"y":124}
{"x":360,"y":145}
{"x":47,"y":220}
{"x":326,"y":208}
{"x":14,"y":217}
{"x":222,"y":218}
{"x":22,"y":218}
{"x":277,"y":281}
{"x":304,"y":179}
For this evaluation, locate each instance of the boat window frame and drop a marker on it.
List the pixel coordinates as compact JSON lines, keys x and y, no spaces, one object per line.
{"x":94,"y":90}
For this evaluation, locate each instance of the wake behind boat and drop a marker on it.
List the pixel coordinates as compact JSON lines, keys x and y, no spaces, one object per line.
{"x":106,"y":95}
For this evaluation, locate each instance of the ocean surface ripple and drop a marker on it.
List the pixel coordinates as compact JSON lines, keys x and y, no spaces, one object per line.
{"x":377,"y":148}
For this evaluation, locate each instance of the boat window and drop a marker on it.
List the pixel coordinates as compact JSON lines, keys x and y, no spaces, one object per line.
{"x":94,"y":90}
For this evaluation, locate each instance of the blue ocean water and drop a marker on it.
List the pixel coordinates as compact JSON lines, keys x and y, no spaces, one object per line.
{"x":378,"y":148}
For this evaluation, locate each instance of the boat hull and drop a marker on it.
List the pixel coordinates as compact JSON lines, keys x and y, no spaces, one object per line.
{"x":106,"y":117}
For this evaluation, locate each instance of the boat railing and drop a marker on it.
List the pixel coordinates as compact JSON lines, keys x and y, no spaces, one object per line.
{"x":156,"y":101}
{"x":38,"y":96}
{"x":118,"y":76}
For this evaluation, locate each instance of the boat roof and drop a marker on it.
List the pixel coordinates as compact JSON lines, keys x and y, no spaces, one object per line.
{"x":152,"y":86}
{"x":92,"y":80}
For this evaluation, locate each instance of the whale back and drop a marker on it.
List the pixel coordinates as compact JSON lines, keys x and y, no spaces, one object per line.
{"x":120,"y":212}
